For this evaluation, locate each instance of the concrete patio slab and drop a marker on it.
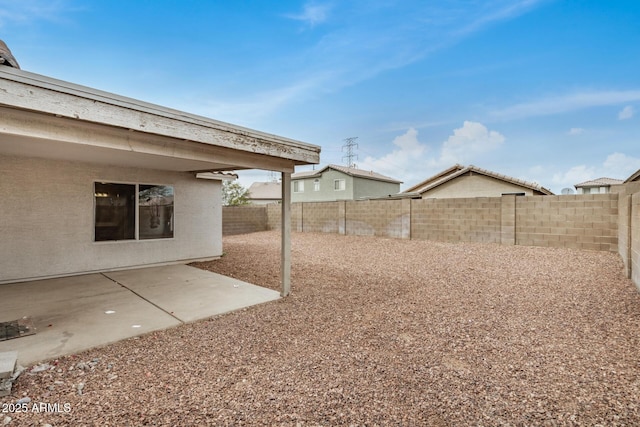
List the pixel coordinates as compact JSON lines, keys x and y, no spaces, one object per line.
{"x":190,"y":293}
{"x":8,"y":361}
{"x":76,"y":313}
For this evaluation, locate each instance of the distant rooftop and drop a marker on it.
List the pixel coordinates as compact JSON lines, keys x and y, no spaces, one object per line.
{"x":349,"y":171}
{"x":265,"y":191}
{"x":458,"y":170}
{"x":600,"y":182}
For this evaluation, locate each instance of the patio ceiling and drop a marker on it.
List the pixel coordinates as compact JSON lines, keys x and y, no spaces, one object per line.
{"x":48,"y":118}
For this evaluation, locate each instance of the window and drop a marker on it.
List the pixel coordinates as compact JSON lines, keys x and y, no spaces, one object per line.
{"x":338,"y":184}
{"x":130,"y":211}
{"x":298,"y":186}
{"x":115,"y":211}
{"x":316,"y":185}
{"x":155,"y":211}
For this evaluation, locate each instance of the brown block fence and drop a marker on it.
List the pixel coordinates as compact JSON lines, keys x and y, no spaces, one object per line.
{"x":604,"y":222}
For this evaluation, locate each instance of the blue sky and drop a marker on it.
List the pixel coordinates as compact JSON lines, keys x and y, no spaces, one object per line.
{"x":542,"y":90}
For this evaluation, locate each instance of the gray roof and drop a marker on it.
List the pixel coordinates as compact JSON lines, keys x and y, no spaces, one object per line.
{"x":455,"y":171}
{"x":265,"y":191}
{"x":600,"y":182}
{"x":360,"y":173}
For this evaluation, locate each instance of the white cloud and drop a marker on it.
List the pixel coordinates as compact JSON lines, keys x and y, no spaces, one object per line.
{"x":619,"y":165}
{"x":402,"y":159}
{"x":565,"y":103}
{"x":573,"y":176}
{"x":626,"y":113}
{"x":410,"y":158}
{"x":26,"y":11}
{"x":312,"y":14}
{"x":575,"y":131}
{"x":509,"y":11}
{"x":616,"y":165}
{"x":468,"y":142}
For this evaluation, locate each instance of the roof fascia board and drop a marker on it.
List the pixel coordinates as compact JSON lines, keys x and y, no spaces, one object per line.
{"x":34,"y":92}
{"x":87,"y":134}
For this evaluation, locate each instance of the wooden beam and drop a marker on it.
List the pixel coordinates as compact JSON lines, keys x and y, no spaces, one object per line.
{"x":285,"y":234}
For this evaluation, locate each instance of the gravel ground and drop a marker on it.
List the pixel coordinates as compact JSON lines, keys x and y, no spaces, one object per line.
{"x":376,"y":332}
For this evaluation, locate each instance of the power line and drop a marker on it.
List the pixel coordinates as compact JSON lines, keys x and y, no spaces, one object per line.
{"x":349,"y":145}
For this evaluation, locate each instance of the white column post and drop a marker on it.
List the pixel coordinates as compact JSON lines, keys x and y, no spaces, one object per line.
{"x":285,"y":233}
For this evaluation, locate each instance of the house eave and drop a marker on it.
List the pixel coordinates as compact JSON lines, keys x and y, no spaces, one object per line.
{"x":33,"y":93}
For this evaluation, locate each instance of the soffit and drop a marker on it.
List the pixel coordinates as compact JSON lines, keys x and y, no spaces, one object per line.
{"x":78,"y":106}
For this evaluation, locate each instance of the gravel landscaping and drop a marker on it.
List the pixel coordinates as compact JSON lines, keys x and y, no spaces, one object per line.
{"x":376,"y":332}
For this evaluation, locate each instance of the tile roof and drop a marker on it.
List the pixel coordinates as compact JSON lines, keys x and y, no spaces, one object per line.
{"x":416,"y":188}
{"x":265,"y":191}
{"x":6,"y":57}
{"x":600,"y":182}
{"x":455,"y":171}
{"x":633,"y":177}
{"x":361,"y":173}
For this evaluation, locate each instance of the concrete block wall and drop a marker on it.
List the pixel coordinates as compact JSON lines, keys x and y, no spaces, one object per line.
{"x":274,"y":215}
{"x":628,"y":232}
{"x":588,"y":221}
{"x":243,"y":219}
{"x":508,"y":220}
{"x":385,"y":218}
{"x":606,"y":222}
{"x":321,"y":217}
{"x":635,"y":239}
{"x":457,"y":220}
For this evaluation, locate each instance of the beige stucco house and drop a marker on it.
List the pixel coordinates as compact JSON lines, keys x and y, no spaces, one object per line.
{"x":471,"y":181}
{"x":597,"y":186}
{"x":264,"y":193}
{"x":92,"y":181}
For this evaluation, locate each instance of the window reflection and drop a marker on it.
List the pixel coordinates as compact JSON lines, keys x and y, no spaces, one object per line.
{"x":155,"y":204}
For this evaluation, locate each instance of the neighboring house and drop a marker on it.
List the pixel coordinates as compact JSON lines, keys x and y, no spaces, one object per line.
{"x":91,"y":181}
{"x":334,"y":182}
{"x":597,"y":186}
{"x":264,"y":193}
{"x":471,"y":181}
{"x":635,"y":177}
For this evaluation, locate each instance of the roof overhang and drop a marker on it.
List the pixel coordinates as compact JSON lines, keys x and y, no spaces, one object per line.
{"x":634,"y":177}
{"x":44,"y":117}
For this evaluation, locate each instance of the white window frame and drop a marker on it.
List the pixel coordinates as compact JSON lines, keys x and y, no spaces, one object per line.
{"x":316,"y":184}
{"x":339,"y":185}
{"x":298,"y":186}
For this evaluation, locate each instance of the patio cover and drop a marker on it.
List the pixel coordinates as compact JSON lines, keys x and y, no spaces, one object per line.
{"x":49,"y":118}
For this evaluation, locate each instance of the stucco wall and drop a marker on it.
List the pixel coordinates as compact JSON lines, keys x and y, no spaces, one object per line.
{"x":474,"y":186}
{"x":326,"y":191}
{"x":363,"y":188}
{"x":47,"y":219}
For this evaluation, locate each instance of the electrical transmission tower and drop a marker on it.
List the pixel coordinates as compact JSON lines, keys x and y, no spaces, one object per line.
{"x":349,"y":145}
